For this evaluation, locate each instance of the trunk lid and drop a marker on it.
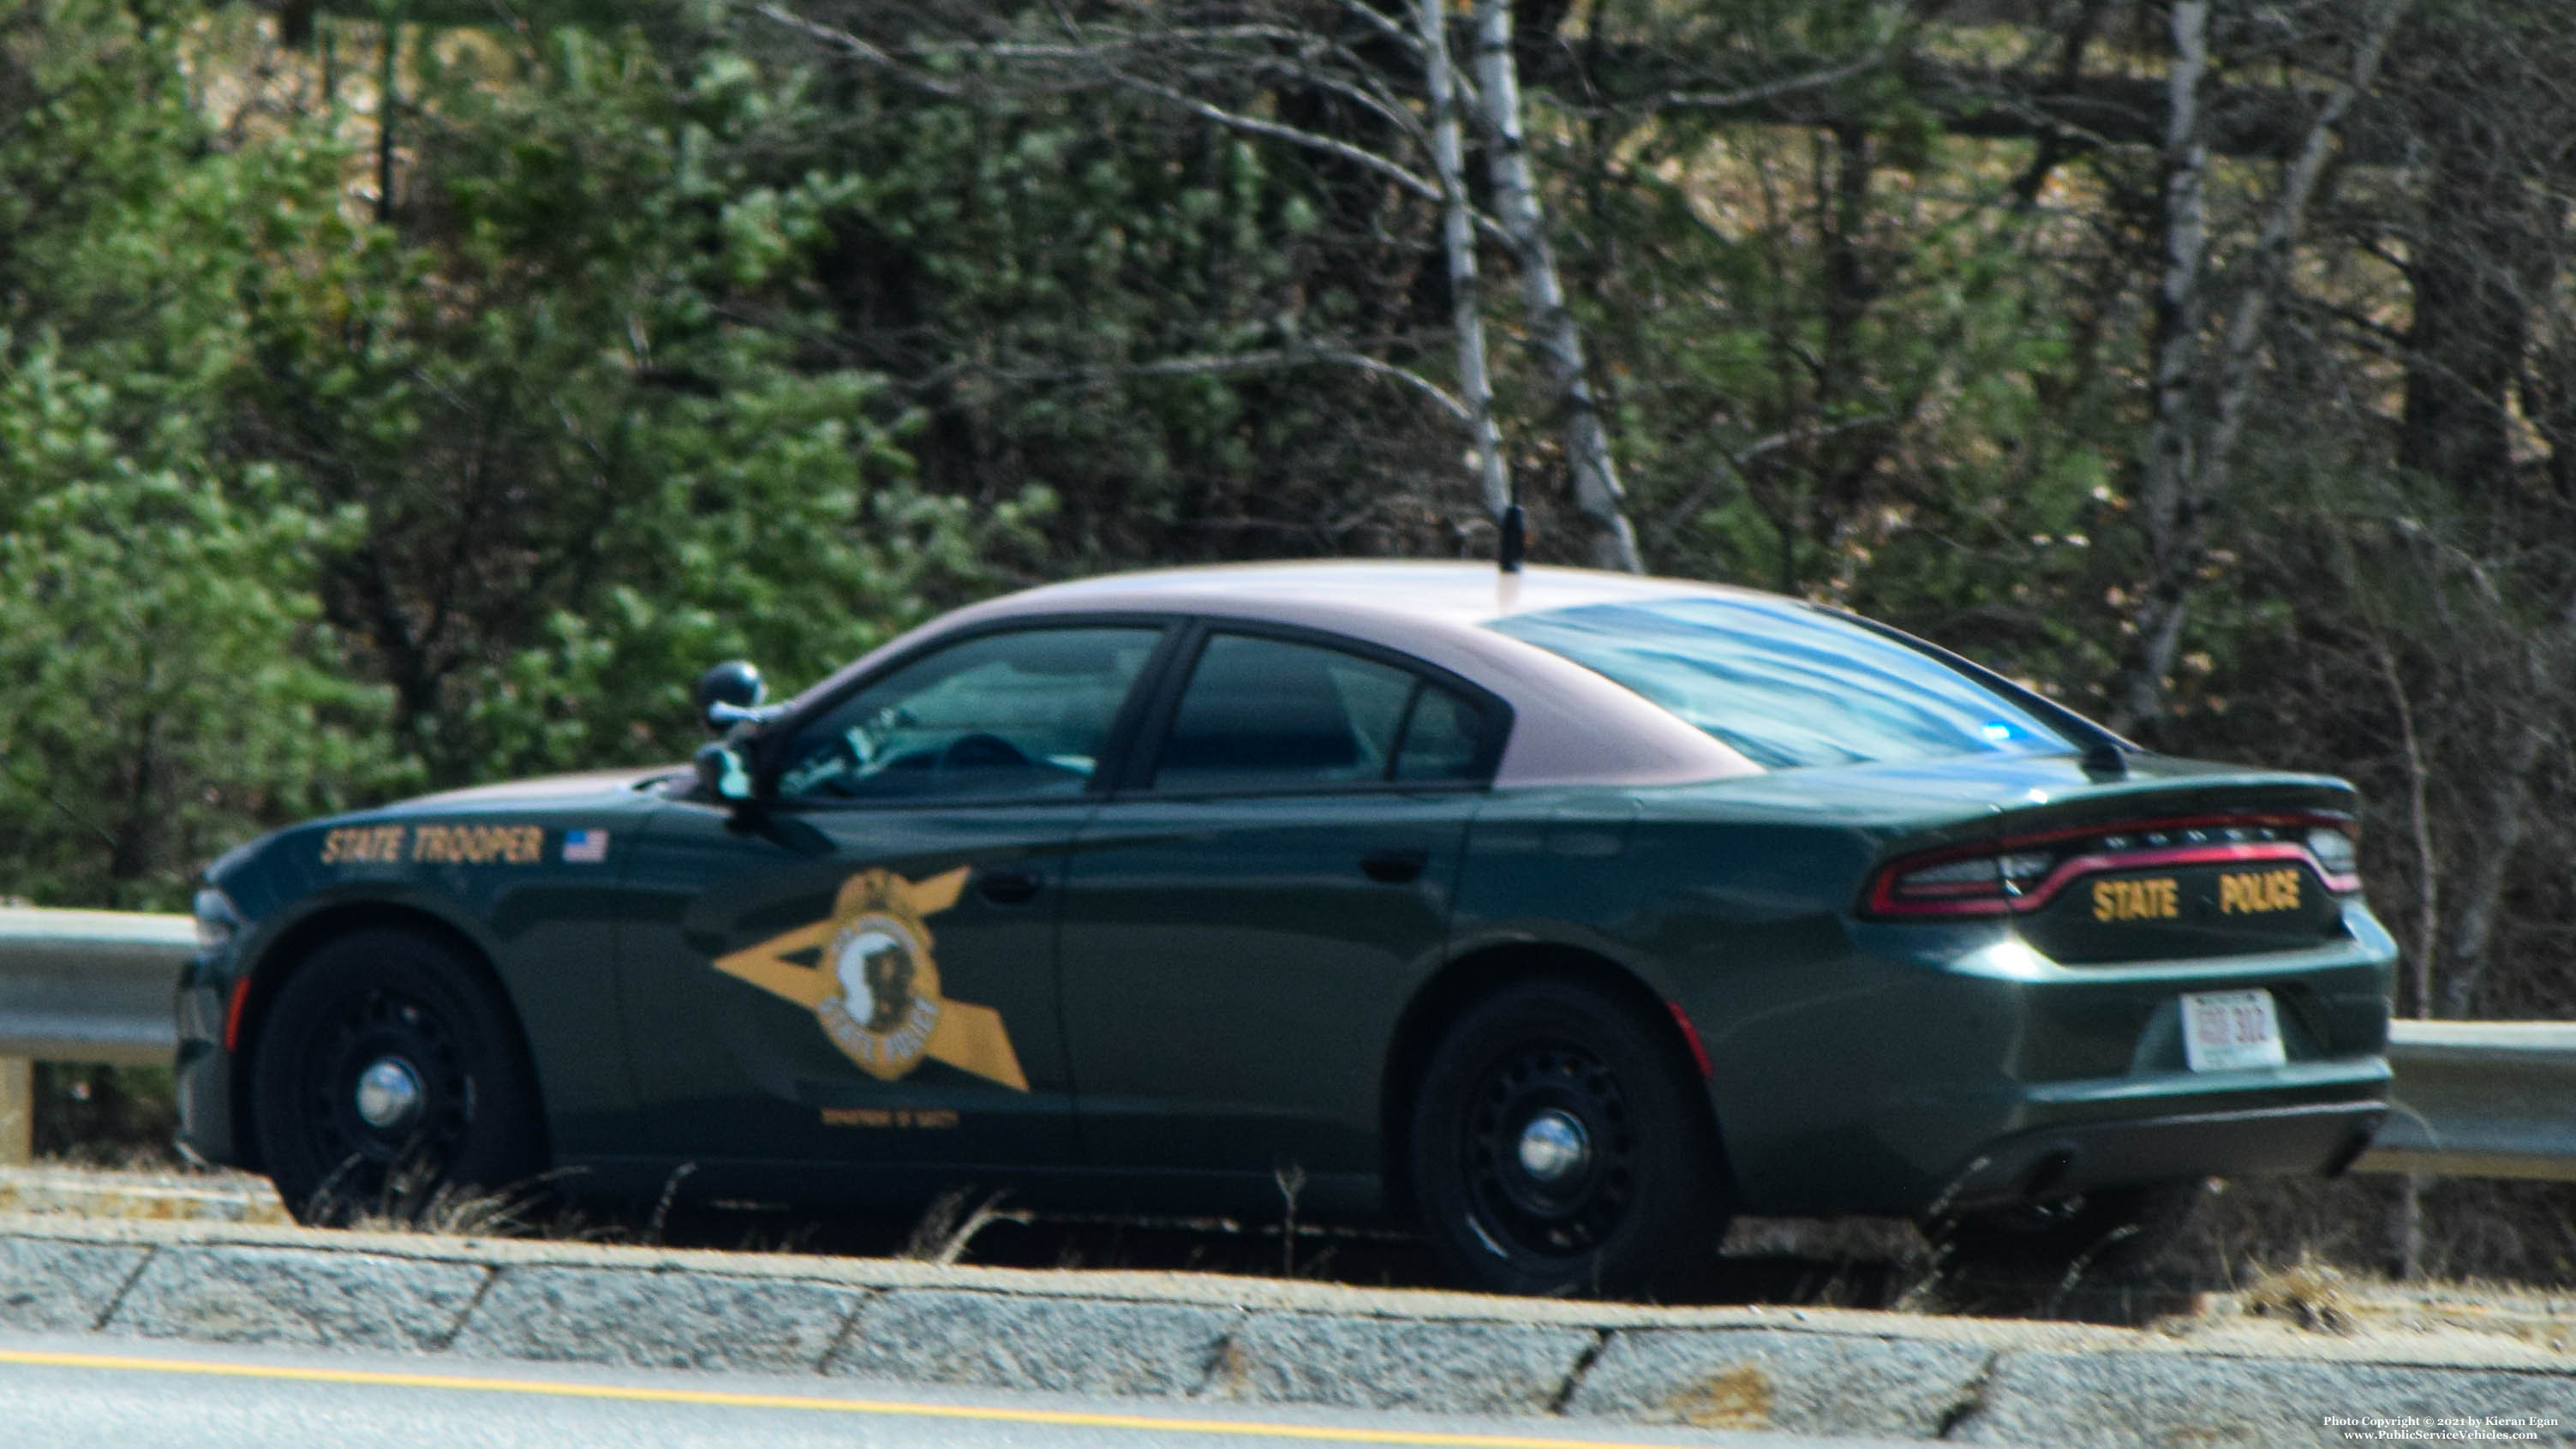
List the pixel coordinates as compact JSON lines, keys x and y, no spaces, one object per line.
{"x":2175,"y":859}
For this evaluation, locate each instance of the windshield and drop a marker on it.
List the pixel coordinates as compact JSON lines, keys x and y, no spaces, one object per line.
{"x":1786,"y":685}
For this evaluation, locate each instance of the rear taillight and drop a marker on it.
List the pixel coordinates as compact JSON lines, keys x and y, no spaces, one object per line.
{"x":2022,"y":873}
{"x":2336,"y":853}
{"x":1980,"y":884}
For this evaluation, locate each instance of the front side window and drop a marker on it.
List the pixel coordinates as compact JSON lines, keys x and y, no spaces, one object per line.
{"x":1023,"y":714}
{"x":1788,"y":686}
{"x":1269,"y":714}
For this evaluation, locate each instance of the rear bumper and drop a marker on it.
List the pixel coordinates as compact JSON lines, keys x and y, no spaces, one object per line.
{"x":1958,"y":1066}
{"x":2317,"y":1138}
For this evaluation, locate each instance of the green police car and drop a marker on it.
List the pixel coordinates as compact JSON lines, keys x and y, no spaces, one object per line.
{"x":1558,"y":914}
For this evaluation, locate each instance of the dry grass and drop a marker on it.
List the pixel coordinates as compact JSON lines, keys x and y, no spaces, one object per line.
{"x":151,"y":1192}
{"x":526,"y":1211}
{"x":412,"y":1201}
{"x":2465,"y":1229}
{"x":2306,"y":1294}
{"x":947,"y":1227}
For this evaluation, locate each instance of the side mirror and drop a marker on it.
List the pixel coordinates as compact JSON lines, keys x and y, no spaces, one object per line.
{"x":722,"y":774}
{"x":729,"y":694}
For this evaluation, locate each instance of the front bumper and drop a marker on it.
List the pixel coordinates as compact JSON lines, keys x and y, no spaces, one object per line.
{"x":203,"y":1074}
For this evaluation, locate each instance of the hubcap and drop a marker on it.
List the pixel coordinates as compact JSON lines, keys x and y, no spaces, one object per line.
{"x":1554,"y":1146}
{"x":389,"y":1094}
{"x":1549,"y":1150}
{"x":383,"y":1098}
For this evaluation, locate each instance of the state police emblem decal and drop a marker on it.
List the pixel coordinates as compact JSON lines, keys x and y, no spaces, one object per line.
{"x":874,"y":984}
{"x":888,"y":1006}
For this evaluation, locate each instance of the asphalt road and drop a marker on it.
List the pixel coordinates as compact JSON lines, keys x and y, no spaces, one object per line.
{"x":116,"y":1393}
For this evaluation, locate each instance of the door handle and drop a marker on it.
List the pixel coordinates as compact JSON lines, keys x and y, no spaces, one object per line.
{"x":1394,"y":867}
{"x":1007,"y":887}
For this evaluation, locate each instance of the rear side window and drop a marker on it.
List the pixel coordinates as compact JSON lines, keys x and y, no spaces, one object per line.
{"x":1788,"y":686}
{"x":1271,"y":714}
{"x":1443,"y":740}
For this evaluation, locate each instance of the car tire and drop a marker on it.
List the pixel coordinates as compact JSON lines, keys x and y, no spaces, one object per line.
{"x":2112,"y":1232}
{"x":386,"y":1077}
{"x":1558,"y":1146}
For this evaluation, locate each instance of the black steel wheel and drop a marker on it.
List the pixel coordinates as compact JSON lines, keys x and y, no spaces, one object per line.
{"x":385,"y":1072}
{"x":2111,"y":1232}
{"x":1558,"y":1146}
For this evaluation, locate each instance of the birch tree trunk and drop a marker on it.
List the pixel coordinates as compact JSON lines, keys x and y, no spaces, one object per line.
{"x":2479,"y":897}
{"x":2198,"y":416}
{"x":2169,"y":467}
{"x":1458,"y":235}
{"x":1553,"y":333}
{"x":388,"y":79}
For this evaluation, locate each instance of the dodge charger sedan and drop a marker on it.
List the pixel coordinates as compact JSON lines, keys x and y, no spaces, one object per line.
{"x":1558,"y":914}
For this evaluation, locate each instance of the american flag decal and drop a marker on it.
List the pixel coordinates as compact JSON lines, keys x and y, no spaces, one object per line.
{"x":585,"y":847}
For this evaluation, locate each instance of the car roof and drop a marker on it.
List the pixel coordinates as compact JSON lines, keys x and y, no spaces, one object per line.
{"x":1571,"y":726}
{"x":1456,"y":591}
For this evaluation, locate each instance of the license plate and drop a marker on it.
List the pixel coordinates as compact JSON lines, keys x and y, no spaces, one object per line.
{"x":2225,"y":1031}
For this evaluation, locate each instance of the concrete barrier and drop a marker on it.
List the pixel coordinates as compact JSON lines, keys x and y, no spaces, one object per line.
{"x":1157,"y":1336}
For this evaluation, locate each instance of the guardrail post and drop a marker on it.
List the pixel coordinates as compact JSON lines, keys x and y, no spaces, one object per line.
{"x":17,"y":1111}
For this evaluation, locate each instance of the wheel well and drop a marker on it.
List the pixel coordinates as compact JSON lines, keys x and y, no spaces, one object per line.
{"x":287,"y":955}
{"x":1471,"y":978}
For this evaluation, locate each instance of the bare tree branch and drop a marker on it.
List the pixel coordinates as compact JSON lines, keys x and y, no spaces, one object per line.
{"x":1254,"y":126}
{"x":2268,"y":265}
{"x":2419,"y":819}
{"x":1756,"y":94}
{"x":857,"y":49}
{"x":1387,"y":27}
{"x":1275,"y":359}
{"x":1737,"y":461}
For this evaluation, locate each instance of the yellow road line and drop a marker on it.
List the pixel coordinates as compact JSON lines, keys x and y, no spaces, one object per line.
{"x":1053,"y":1418}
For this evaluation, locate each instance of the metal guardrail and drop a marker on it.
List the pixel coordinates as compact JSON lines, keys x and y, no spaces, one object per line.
{"x":90,"y":986}
{"x":2480,"y":1099}
{"x":2472,"y":1099}
{"x":81,"y":986}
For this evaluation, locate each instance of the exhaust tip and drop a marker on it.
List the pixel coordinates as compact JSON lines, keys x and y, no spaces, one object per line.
{"x":2045,"y":1174}
{"x":2354,"y":1146}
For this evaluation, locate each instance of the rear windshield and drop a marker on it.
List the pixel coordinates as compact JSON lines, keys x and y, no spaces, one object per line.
{"x":1788,"y":686}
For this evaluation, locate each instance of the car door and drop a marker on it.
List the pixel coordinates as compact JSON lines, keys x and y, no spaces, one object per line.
{"x":1249,"y":913}
{"x":861,"y":969}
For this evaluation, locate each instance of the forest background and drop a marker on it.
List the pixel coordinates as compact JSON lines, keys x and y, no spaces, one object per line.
{"x":402,"y":393}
